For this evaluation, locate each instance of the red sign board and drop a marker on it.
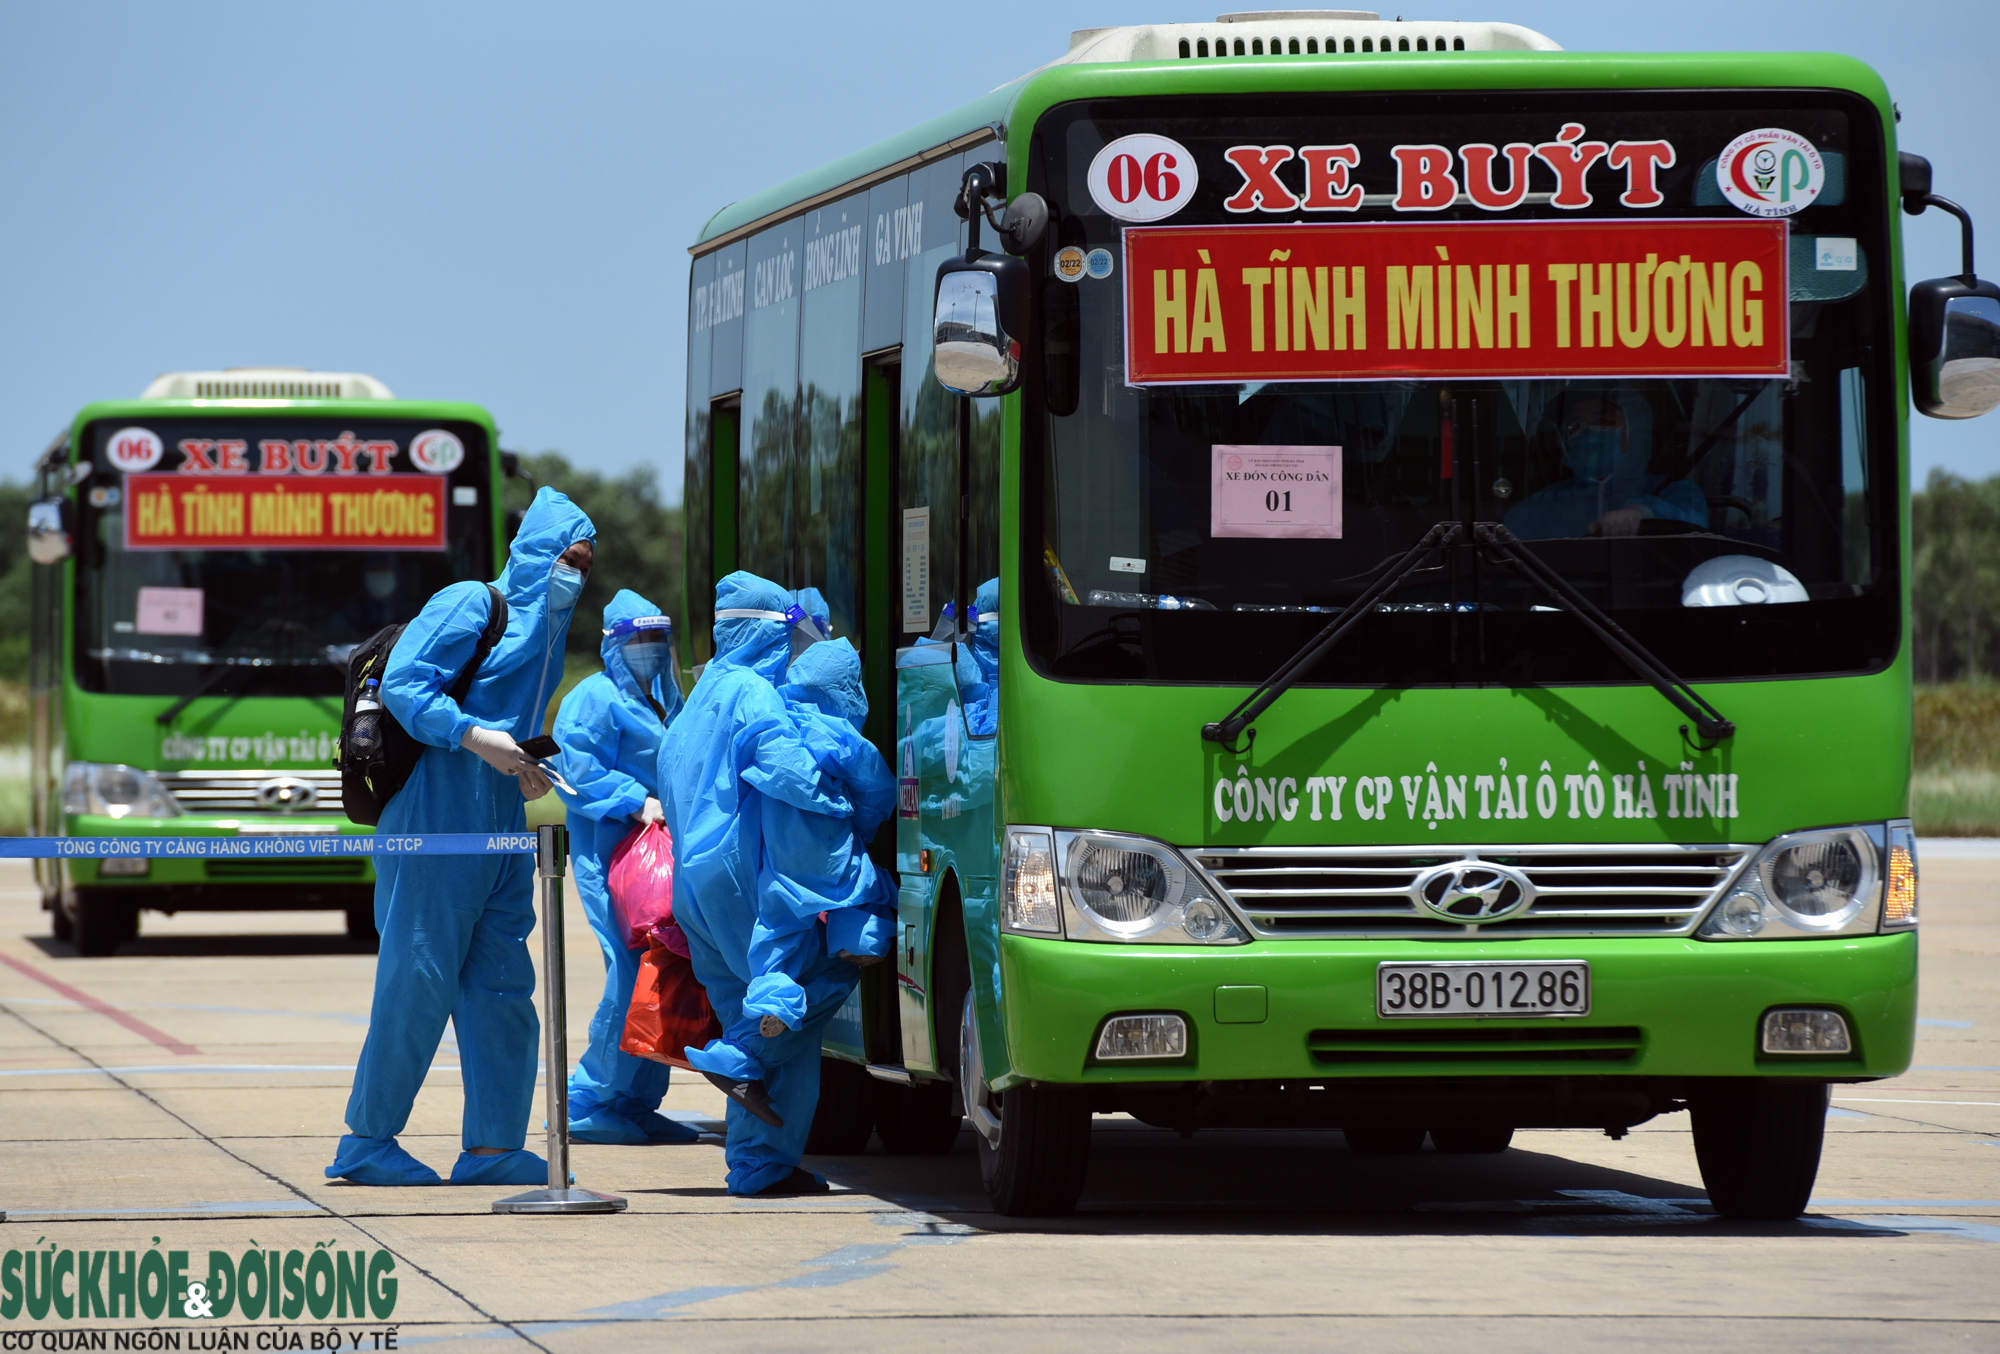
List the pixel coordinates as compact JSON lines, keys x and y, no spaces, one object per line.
{"x":1322,"y":302}
{"x":279,"y":512}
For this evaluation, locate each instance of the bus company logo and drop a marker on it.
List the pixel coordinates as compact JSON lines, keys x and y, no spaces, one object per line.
{"x":1770,"y":172}
{"x":1472,"y":891}
{"x":1143,"y":177}
{"x":1069,"y":264}
{"x":134,"y":449}
{"x":437,"y":451}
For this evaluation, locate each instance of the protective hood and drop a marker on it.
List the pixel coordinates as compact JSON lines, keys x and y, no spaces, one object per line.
{"x":764,"y":646}
{"x":552,"y":525}
{"x":629,"y":606}
{"x":828,"y":676}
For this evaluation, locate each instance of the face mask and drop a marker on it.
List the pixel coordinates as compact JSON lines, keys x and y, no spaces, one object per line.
{"x":1593,"y":452}
{"x":564,"y":586}
{"x":646,"y":661}
{"x":381,"y":583}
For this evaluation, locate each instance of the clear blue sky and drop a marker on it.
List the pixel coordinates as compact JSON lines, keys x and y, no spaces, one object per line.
{"x":492,"y":201}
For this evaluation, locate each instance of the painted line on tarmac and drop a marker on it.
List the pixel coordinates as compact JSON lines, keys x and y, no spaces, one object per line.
{"x":1905,"y":1203}
{"x":103,"y":1008}
{"x":251,"y":1206}
{"x":1947,"y":1024}
{"x":1884,"y":1100}
{"x":193,"y":1067}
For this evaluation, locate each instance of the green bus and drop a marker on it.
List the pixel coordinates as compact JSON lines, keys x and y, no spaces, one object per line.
{"x":209,"y":553}
{"x":1441,"y":502}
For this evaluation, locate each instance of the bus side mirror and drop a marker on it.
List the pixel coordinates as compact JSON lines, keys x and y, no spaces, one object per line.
{"x":980,"y":313}
{"x":49,"y":530}
{"x":1954,"y":321}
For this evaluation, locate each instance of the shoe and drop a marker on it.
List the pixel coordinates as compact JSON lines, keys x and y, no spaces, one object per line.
{"x":608,"y":1129}
{"x":378,"y":1161}
{"x":800,"y":1181}
{"x":859,"y":960}
{"x":661,"y":1130}
{"x":751,"y":1095}
{"x":518,"y":1167}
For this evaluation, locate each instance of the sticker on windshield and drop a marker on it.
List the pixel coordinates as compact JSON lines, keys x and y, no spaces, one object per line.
{"x":1770,"y":172}
{"x":1097,"y":263}
{"x":1069,"y":264}
{"x":170,"y":611}
{"x":437,"y":451}
{"x":134,"y":449}
{"x":1142,"y":177}
{"x":1275,"y":492}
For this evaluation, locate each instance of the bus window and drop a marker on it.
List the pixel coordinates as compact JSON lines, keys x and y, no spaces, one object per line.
{"x":827,"y":486}
{"x":697,"y":485}
{"x":770,"y":404}
{"x":928,"y":465}
{"x":889,"y":245}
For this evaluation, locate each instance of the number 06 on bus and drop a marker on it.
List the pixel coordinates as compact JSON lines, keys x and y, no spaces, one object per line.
{"x":1474,"y":988}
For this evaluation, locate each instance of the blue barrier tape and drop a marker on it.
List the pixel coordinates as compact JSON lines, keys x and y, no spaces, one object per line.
{"x":262,"y":847}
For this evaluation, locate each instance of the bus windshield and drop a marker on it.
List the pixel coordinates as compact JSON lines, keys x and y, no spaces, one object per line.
{"x":1196,"y":518}
{"x":240,"y":556}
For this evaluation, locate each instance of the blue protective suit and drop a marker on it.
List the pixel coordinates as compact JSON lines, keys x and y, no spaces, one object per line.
{"x":982,"y":702}
{"x":610,"y":726}
{"x":817,"y":891}
{"x":734,"y":746}
{"x":455,"y":928}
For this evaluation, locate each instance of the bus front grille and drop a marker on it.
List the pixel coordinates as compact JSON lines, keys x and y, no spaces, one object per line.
{"x":254,"y":792}
{"x":1546,"y":1043}
{"x":1372,"y":892}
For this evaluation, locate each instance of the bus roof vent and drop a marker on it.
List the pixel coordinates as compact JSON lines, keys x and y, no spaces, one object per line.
{"x":266,"y":383}
{"x":1335,"y":33}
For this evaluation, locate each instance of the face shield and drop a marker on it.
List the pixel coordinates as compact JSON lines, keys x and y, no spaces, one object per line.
{"x":807,"y":630}
{"x":648,"y":647}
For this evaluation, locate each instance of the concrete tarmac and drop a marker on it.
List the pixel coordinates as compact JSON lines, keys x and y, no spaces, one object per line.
{"x":187,"y":1094}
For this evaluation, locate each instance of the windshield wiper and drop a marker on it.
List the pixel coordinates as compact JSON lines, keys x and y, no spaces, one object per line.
{"x":1226,"y":730}
{"x":1708,"y":721}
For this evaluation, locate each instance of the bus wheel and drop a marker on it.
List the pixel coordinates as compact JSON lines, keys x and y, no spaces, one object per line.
{"x":1033,"y":1141}
{"x":1384,"y":1139}
{"x":1758,"y":1144}
{"x":845,"y":1115}
{"x":920,"y":1120}
{"x":361,"y":925}
{"x":59,"y":923}
{"x":102,"y":922}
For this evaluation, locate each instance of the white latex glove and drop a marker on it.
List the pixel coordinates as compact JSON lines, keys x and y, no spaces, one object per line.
{"x":499,"y":751}
{"x":651,"y":812}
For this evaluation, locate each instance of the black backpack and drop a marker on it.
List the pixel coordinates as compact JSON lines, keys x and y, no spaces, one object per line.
{"x":376,"y":754}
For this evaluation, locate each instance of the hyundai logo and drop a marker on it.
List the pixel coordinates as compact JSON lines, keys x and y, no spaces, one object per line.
{"x":1472,"y":892}
{"x":287,"y":794}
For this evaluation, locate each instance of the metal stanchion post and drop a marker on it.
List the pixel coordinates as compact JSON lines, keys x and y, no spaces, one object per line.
{"x":551,"y":854}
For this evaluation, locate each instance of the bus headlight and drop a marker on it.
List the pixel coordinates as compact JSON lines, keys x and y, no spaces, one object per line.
{"x":111,"y":790}
{"x":1124,"y":888}
{"x":1805,"y":884}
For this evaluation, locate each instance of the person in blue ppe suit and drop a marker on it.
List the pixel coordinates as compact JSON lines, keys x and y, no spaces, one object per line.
{"x":734,"y":746}
{"x":455,"y":928}
{"x":1610,"y":491}
{"x":982,"y":700}
{"x":609,"y":728}
{"x":817,"y":891}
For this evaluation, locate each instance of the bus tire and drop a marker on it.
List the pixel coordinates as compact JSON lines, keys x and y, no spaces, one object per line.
{"x":1758,"y":1144}
{"x":1384,"y":1139}
{"x":1033,"y":1141}
{"x":1471,"y":1138}
{"x":844,"y":1119}
{"x":102,"y":921}
{"x":919,"y":1120}
{"x":59,"y":923}
{"x":361,"y":926}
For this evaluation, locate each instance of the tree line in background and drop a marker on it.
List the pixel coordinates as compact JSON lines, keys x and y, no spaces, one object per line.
{"x":1955,"y":568}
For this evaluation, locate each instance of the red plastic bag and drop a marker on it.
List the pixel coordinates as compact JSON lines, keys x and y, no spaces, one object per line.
{"x":669,"y":1011}
{"x":642,"y":883}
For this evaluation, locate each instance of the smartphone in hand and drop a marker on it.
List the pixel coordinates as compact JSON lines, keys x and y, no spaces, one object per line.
{"x":541,"y":747}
